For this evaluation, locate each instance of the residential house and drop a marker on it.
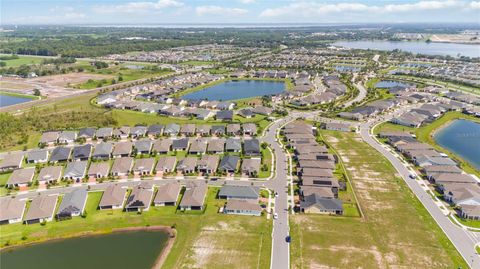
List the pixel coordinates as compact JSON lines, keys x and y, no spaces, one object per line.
{"x":198,"y":146}
{"x":11,"y":161}
{"x":99,"y":170}
{"x":76,"y":170}
{"x":41,"y":209}
{"x":21,"y":177}
{"x":218,"y":130}
{"x":239,"y":192}
{"x":121,"y":133}
{"x":143,"y":146}
{"x":171,"y":129}
{"x":155,"y":130}
{"x":229,"y":164}
{"x":11,"y":210}
{"x":180,"y":144}
{"x":73,"y":204}
{"x":67,"y":137}
{"x":144,"y":166}
{"x":113,"y":197}
{"x":103,"y":151}
{"x":250,"y":129}
{"x":208,"y":164}
{"x":251,"y":147}
{"x":233,"y":145}
{"x":82,"y":152}
{"x":104,"y":133}
{"x":318,"y":205}
{"x":203,"y":130}
{"x":234,"y":129}
{"x":50,"y":174}
{"x":87,"y":133}
{"x":60,"y":154}
{"x":333,"y":126}
{"x":166,"y":164}
{"x":122,"y":166}
{"x":187,"y":165}
{"x":187,"y":129}
{"x":243,"y":207}
{"x":138,"y":131}
{"x":140,"y":198}
{"x":122,"y":149}
{"x":224,"y":115}
{"x":216,"y":146}
{"x":49,"y":138}
{"x":162,"y":146}
{"x":251,"y":167}
{"x":37,"y":156}
{"x":194,"y":196}
{"x":167,"y":194}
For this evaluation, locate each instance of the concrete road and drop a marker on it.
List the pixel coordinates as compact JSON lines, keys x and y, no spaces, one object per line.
{"x":362,"y":93}
{"x":463,"y":240}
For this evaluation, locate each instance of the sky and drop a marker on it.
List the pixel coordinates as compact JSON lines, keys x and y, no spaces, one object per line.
{"x":111,"y":12}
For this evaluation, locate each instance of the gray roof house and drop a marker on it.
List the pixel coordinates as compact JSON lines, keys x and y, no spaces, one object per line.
{"x":233,"y":145}
{"x":243,"y":207}
{"x":122,"y":132}
{"x":316,"y":204}
{"x":60,"y":154}
{"x":180,"y":144}
{"x":66,"y":137}
{"x":218,"y":130}
{"x":122,"y":166}
{"x":103,"y":151}
{"x":76,"y":170}
{"x":166,"y":164}
{"x":172,"y":129}
{"x":50,"y":174}
{"x":11,"y":210}
{"x":198,"y":146}
{"x":239,"y":192}
{"x":208,"y":164}
{"x":87,"y":133}
{"x":187,"y":165}
{"x":167,"y":194}
{"x":155,"y":130}
{"x":251,"y":167}
{"x":122,"y":149}
{"x":140,"y":197}
{"x":99,"y":170}
{"x":138,"y":131}
{"x":41,"y":209}
{"x":82,"y":152}
{"x":144,"y":166}
{"x":113,"y":197}
{"x":73,"y":204}
{"x":224,"y":115}
{"x":251,"y":147}
{"x":12,"y":161}
{"x":194,"y":196}
{"x":203,"y":130}
{"x":233,"y":129}
{"x":104,"y":133}
{"x":21,"y":177}
{"x":229,"y":163}
{"x":37,"y":156}
{"x":143,"y":146}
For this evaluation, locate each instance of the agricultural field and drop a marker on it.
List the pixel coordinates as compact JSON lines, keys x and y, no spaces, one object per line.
{"x":202,"y":239}
{"x":379,"y":239}
{"x":22,"y":60}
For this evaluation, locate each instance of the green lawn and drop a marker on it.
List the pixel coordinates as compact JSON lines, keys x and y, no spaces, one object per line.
{"x":202,"y":241}
{"x":380,"y":239}
{"x":197,"y":63}
{"x":22,"y":60}
{"x":266,"y":159}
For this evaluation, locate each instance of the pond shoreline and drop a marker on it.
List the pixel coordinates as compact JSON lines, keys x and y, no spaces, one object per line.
{"x":161,"y":257}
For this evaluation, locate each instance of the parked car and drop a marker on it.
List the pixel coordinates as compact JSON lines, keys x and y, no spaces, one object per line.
{"x":287,"y":239}
{"x":412,"y":176}
{"x":275,"y":216}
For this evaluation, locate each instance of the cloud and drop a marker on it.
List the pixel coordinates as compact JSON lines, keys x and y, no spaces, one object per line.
{"x":247,"y":1}
{"x":216,"y":10}
{"x":311,"y":9}
{"x":474,"y":5}
{"x":138,"y":7}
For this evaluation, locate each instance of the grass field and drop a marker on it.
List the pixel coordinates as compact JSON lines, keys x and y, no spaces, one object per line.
{"x":22,"y":60}
{"x":202,"y":241}
{"x":381,"y":239}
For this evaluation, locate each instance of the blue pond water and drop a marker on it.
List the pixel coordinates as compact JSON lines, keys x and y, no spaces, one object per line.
{"x":387,"y":84}
{"x":7,"y":100}
{"x":240,"y":89}
{"x":342,"y":68}
{"x":462,"y":137}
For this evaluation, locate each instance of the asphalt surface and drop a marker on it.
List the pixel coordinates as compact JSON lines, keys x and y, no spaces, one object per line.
{"x":463,"y":240}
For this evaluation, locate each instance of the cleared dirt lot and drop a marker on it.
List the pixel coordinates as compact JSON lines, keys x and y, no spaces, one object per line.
{"x":397,"y":231}
{"x":65,"y":79}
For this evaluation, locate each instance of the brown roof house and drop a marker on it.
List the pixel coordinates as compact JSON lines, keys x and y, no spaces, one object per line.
{"x":11,"y":210}
{"x":41,"y":209}
{"x":122,"y":166}
{"x":99,"y":170}
{"x":194,"y":196}
{"x":140,"y":198}
{"x":167,"y":194}
{"x":187,"y":165}
{"x":21,"y":177}
{"x":251,"y":167}
{"x":208,"y":164}
{"x":113,"y":197}
{"x":49,"y":138}
{"x":122,"y":149}
{"x":166,"y":164}
{"x":243,"y":207}
{"x":11,"y":161}
{"x":144,"y":166}
{"x":50,"y":174}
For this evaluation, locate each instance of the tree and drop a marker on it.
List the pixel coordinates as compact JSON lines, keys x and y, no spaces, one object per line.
{"x":36,"y":92}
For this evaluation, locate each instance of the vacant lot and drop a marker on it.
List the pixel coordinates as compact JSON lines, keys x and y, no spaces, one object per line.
{"x":23,"y":60}
{"x":397,"y":231}
{"x":65,"y":80}
{"x":208,"y":240}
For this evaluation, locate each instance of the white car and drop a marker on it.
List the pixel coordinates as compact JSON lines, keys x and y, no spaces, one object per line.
{"x":275,"y":216}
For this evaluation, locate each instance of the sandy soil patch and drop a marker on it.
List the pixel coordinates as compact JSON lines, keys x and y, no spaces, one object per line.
{"x":72,"y":78}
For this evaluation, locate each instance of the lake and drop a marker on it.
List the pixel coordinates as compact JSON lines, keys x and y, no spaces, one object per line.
{"x":462,"y":137}
{"x":431,"y":48}
{"x":237,"y":89}
{"x":7,"y":100}
{"x":343,"y":68}
{"x":136,"y":249}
